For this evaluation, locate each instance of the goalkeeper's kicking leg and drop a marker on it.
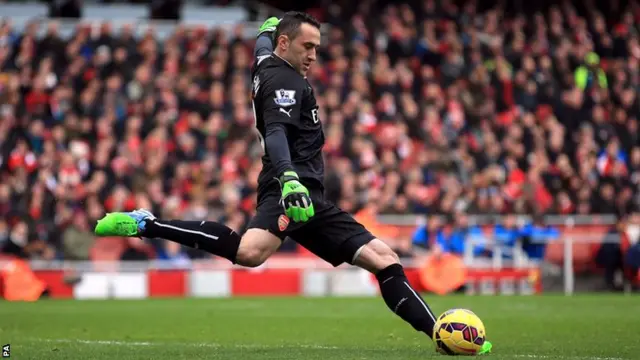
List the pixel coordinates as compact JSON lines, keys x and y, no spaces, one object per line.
{"x":250,"y":249}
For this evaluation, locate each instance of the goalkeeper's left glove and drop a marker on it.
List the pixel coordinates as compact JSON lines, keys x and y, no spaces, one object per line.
{"x":270,"y":25}
{"x":295,"y":198}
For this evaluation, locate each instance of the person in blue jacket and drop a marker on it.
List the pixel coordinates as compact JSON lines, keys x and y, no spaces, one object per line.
{"x":424,"y":233}
{"x":450,"y":241}
{"x":535,"y":237}
{"x":506,"y":235}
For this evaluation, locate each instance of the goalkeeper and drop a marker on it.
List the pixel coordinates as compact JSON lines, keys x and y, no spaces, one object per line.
{"x":291,"y":199}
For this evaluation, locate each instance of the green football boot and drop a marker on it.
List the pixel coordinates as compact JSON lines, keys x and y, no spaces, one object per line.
{"x":126,"y":224}
{"x":486,"y":348}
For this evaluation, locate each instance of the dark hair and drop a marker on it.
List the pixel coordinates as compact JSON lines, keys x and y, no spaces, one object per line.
{"x":290,"y":23}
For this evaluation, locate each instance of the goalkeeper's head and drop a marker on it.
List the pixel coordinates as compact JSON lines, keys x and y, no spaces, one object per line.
{"x":297,"y":39}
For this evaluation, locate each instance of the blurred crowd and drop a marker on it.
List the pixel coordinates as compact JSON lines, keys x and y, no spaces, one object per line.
{"x":428,"y":107}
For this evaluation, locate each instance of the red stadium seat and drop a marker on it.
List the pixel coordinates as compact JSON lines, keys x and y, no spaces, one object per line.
{"x":583,"y":252}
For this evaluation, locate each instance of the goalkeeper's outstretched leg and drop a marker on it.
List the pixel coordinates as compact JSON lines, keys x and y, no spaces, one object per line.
{"x":250,"y":250}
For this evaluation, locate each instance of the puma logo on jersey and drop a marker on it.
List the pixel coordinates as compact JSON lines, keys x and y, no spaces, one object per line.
{"x":286,"y":112}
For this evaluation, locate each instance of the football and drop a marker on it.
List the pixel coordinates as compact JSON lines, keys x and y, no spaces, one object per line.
{"x":459,"y":332}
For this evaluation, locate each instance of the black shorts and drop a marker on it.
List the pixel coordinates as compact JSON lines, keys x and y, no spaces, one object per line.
{"x":331,"y":234}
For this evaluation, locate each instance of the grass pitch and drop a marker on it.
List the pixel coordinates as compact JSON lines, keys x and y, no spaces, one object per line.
{"x":595,"y":327}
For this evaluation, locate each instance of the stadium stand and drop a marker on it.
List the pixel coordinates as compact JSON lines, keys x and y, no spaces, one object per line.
{"x":425,"y":112}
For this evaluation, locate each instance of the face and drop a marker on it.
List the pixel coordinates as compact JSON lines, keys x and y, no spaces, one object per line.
{"x":301,"y":50}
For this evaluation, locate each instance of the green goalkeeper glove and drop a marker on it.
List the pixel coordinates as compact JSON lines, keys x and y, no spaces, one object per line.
{"x":295,"y":198}
{"x":269,"y":25}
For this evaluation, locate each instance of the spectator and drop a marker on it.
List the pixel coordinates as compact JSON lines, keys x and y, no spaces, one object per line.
{"x":610,"y":255}
{"x":507,"y":236}
{"x":461,"y":235}
{"x":590,"y":75}
{"x":425,"y":235}
{"x":78,"y":239}
{"x":631,"y":245}
{"x":15,"y":241}
{"x":136,"y":250}
{"x":535,"y":236}
{"x":619,"y":254}
{"x":173,"y":253}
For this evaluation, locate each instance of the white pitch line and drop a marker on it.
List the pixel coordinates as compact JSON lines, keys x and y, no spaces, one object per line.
{"x":531,"y":356}
{"x":148,"y":343}
{"x":256,"y":346}
{"x":108,"y":342}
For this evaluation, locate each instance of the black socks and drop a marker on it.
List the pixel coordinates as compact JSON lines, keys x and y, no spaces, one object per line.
{"x":209,"y":236}
{"x":403,"y":300}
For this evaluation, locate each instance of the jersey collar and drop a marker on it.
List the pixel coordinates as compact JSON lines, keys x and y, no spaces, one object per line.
{"x":288,"y":63}
{"x":281,"y":58}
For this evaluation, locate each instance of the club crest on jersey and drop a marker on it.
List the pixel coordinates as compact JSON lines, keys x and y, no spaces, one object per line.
{"x":283,"y":222}
{"x":285,"y":97}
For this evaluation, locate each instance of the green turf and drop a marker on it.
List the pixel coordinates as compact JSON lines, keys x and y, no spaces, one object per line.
{"x":549,"y":327}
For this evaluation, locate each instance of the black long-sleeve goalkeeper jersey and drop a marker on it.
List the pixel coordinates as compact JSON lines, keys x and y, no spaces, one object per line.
{"x":286,"y":116}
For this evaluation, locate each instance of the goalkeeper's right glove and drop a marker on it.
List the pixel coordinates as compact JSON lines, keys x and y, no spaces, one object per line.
{"x":295,"y":198}
{"x":270,"y":25}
